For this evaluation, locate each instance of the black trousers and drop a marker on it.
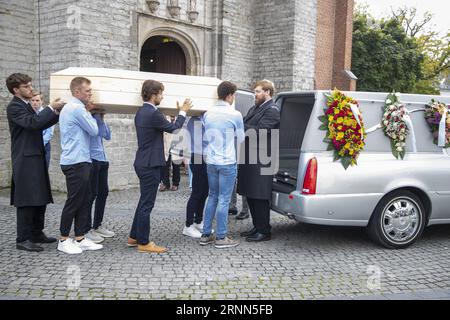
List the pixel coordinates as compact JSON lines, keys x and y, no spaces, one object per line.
{"x":76,"y":207}
{"x":199,"y":194}
{"x":149,"y":181}
{"x":99,"y":193}
{"x":30,"y":222}
{"x":165,"y":173}
{"x":260,"y":211}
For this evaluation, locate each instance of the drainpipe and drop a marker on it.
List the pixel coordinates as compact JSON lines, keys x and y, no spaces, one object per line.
{"x":39,"y":41}
{"x":220,"y":6}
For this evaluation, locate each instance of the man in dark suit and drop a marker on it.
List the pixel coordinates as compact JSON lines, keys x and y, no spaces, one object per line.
{"x":150,"y":125}
{"x":30,"y":187}
{"x":254,"y":181}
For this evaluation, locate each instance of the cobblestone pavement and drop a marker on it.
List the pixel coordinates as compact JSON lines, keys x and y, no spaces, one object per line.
{"x":301,"y":262}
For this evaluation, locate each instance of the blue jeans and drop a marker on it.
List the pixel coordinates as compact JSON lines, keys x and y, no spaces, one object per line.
{"x":221,"y":181}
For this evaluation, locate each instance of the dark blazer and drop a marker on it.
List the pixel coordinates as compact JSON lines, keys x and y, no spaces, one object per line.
{"x":30,"y":182}
{"x":250,"y":181}
{"x":150,"y":124}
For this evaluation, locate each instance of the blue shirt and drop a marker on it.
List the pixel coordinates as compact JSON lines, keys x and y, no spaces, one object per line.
{"x":222,"y":125}
{"x":47,"y":134}
{"x":76,"y":126}
{"x":96,"y":143}
{"x":196,"y":131}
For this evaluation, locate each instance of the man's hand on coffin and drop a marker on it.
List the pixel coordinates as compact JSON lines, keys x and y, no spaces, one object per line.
{"x":92,"y":108}
{"x":57,"y":105}
{"x":187,"y":105}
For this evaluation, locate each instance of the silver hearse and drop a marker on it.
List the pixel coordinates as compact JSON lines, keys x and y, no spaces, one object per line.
{"x":394,"y":199}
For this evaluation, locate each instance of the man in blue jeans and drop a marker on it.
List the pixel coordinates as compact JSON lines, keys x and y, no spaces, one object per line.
{"x":222,"y":125}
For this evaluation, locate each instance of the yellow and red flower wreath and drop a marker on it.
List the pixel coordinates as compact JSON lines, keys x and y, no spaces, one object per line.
{"x":345,"y":129}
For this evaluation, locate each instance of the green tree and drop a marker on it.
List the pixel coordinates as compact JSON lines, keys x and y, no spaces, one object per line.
{"x":384,"y":57}
{"x":436,"y":63}
{"x":435,"y":49}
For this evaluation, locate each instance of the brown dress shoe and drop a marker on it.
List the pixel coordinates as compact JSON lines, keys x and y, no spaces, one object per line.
{"x":132,"y":242}
{"x":151,"y":248}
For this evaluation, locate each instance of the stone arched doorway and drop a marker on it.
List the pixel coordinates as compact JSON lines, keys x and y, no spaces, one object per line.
{"x":164,"y":55}
{"x":175,"y":38}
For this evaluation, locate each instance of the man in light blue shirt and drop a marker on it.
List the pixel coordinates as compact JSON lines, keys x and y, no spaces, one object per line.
{"x":99,"y":183}
{"x":223,"y":125}
{"x":77,"y":126}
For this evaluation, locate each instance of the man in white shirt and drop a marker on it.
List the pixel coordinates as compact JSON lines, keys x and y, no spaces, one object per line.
{"x":222,"y":125}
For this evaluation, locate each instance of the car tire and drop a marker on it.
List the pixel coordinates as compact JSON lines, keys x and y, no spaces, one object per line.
{"x":398,"y":220}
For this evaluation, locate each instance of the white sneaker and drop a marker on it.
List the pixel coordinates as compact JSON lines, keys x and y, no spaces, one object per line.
{"x":94,"y":236}
{"x":105,"y":233}
{"x":192,"y":232}
{"x":87,"y":244}
{"x":199,"y":227}
{"x":69,"y":247}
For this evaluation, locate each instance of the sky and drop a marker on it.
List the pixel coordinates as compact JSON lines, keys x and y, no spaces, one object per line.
{"x":439,"y":8}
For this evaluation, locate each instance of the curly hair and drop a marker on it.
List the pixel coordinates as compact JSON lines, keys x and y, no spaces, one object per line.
{"x":150,"y":88}
{"x":15,"y":80}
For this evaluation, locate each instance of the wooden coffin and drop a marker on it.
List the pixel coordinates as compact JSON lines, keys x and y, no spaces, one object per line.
{"x":119,"y":91}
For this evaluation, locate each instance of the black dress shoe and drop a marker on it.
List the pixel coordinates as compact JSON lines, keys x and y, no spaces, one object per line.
{"x":28,"y":246}
{"x":249,"y":232}
{"x":232,"y":211}
{"x":242,"y":215}
{"x":43,"y":239}
{"x":257,"y":237}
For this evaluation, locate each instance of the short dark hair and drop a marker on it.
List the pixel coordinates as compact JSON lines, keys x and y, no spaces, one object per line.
{"x":226,"y":88}
{"x":150,"y":88}
{"x":78,"y":82}
{"x":266,"y":85}
{"x":15,"y":80}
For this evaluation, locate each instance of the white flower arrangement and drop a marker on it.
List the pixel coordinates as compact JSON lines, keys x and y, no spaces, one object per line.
{"x":394,"y":124}
{"x":437,"y":116}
